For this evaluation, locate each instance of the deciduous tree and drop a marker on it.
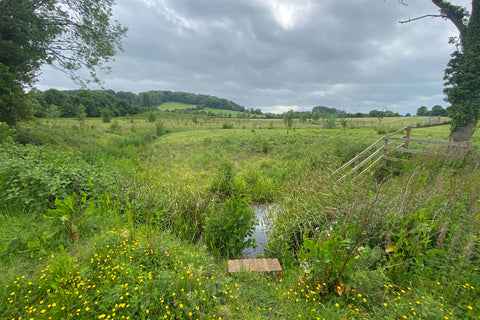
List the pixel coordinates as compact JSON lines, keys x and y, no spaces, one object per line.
{"x":69,"y":35}
{"x":462,"y":76}
{"x":422,"y":111}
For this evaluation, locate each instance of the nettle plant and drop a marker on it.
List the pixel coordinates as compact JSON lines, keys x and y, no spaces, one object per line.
{"x":32,"y":177}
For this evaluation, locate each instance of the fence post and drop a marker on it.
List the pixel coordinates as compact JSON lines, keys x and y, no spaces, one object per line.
{"x":384,"y":164}
{"x":408,"y":131}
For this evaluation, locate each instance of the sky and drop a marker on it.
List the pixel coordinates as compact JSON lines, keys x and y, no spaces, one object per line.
{"x":278,"y":55}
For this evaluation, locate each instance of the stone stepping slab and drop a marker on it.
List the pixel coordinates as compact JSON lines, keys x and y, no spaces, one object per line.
{"x":255,"y":265}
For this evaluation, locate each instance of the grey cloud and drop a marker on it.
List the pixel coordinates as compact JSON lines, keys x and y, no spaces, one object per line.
{"x":347,"y":54}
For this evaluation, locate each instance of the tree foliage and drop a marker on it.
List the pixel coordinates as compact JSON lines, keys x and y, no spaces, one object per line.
{"x":462,"y":80}
{"x":69,"y":35}
{"x":288,"y":119}
{"x":462,"y":76}
{"x":463,"y":88}
{"x":422,"y":111}
{"x":438,"y":111}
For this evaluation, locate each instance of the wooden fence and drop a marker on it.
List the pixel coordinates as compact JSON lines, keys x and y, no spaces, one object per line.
{"x":388,"y":148}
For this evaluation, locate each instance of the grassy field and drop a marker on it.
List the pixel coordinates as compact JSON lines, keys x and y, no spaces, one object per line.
{"x":181,"y":122}
{"x":177,"y":106}
{"x":171,"y":105}
{"x":134,"y":219}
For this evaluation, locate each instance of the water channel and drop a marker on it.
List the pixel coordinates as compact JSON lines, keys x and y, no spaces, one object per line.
{"x":260,"y":235}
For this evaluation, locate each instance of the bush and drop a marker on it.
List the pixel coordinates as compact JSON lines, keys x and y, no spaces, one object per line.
{"x":160,"y":129}
{"x":226,"y":230}
{"x":106,"y":115}
{"x":227,"y":126}
{"x":330,"y":123}
{"x":151,"y":117}
{"x":33,"y":177}
{"x":6,"y":132}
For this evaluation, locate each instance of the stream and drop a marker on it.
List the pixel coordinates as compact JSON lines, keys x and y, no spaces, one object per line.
{"x":260,"y":235}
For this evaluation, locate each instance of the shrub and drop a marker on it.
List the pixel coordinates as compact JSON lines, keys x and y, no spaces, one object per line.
{"x":226,"y":230}
{"x":160,"y":129}
{"x":115,"y":127}
{"x":151,"y":117}
{"x":330,"y":123}
{"x":33,"y":177}
{"x":106,"y":115}
{"x":6,"y":132}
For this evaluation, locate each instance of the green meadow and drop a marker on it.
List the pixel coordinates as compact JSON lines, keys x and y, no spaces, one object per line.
{"x":179,"y":106}
{"x":137,"y":219}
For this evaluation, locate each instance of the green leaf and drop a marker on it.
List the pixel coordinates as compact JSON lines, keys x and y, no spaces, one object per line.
{"x":435,"y":252}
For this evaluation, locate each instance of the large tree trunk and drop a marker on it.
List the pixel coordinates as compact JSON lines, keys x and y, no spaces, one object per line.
{"x":463,"y":72}
{"x":463,"y":134}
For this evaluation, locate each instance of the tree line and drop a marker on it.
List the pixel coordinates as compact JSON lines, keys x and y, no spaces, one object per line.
{"x":323,"y":112}
{"x":54,"y":103}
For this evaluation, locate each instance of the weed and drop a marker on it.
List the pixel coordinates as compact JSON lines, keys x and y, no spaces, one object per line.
{"x":223,"y":183}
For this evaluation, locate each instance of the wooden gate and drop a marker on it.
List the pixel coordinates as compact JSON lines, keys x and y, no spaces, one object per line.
{"x":387,"y":148}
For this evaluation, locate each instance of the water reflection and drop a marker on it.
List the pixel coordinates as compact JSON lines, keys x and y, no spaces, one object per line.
{"x":260,"y":234}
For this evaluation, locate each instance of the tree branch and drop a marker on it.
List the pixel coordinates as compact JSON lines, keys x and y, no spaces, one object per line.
{"x":454,"y":13}
{"x":425,"y":16}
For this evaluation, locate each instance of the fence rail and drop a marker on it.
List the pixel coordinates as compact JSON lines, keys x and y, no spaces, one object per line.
{"x":381,"y":152}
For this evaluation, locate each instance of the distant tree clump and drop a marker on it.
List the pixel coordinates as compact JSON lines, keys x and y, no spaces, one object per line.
{"x":422,"y":111}
{"x":438,"y":111}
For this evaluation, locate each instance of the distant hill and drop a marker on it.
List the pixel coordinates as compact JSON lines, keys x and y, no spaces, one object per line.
{"x":172,"y":105}
{"x":157,"y":98}
{"x":92,"y":103}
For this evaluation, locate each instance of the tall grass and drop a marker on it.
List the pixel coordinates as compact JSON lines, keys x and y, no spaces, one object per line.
{"x":386,"y":246}
{"x":420,"y":225}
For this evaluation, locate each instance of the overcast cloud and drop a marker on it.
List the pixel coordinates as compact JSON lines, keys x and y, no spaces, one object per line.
{"x":278,"y":55}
